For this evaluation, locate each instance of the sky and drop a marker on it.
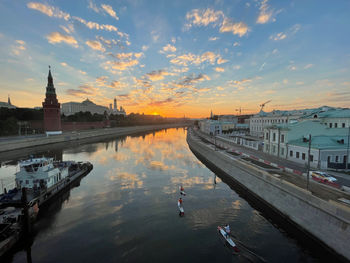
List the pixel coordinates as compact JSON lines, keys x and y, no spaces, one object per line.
{"x":178,"y":58}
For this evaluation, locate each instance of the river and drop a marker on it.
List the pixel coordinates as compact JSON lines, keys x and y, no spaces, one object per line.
{"x":125,"y":209}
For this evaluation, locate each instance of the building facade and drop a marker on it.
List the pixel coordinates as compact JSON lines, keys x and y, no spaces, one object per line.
{"x":70,"y":108}
{"x":328,"y":147}
{"x":51,"y":107}
{"x":87,"y":105}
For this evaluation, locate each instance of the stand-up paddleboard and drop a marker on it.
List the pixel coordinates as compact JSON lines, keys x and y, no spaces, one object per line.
{"x":228,"y":238}
{"x":182,"y":192}
{"x":181,"y":209}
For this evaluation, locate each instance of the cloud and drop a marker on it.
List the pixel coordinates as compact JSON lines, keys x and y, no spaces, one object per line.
{"x":236,"y":44}
{"x":199,"y":17}
{"x":279,"y":36}
{"x":124,"y":61}
{"x":117,"y":85}
{"x":265,"y":13}
{"x":157,"y":74}
{"x":122,"y":65}
{"x":239,"y":28}
{"x":186,"y":59}
{"x":64,"y":64}
{"x":308,"y":66}
{"x":96,"y":45}
{"x":101,"y":81}
{"x":93,"y":6}
{"x":68,"y":29}
{"x":83,"y":90}
{"x":169,"y":48}
{"x":94,"y":25}
{"x":48,"y":10}
{"x":144,"y":47}
{"x":219,"y":69}
{"x":57,"y":37}
{"x":192,"y":79}
{"x":213,"y":38}
{"x":156,"y":166}
{"x":109,"y":10}
{"x":19,"y":47}
{"x":82,"y":72}
{"x":221,"y":61}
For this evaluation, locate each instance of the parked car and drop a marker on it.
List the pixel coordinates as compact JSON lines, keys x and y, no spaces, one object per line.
{"x":322,"y":176}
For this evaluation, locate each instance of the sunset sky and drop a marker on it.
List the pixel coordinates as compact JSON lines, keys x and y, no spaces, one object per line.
{"x":178,"y":58}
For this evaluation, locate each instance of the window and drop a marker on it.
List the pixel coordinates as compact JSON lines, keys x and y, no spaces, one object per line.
{"x":303,"y":156}
{"x":335,"y":125}
{"x":282,"y":151}
{"x":343,"y":125}
{"x":291,"y":153}
{"x":336,"y":158}
{"x":330,"y":125}
{"x":297,"y":155}
{"x":328,"y":159}
{"x":282,"y":138}
{"x":267,"y":136}
{"x":311,"y":158}
{"x":274,"y":137}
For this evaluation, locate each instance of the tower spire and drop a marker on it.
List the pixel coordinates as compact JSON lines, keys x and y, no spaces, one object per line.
{"x":8,"y":99}
{"x":50,"y":89}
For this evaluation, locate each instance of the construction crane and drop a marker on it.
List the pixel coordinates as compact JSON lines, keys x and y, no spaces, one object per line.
{"x":263,"y":105}
{"x":240,"y":110}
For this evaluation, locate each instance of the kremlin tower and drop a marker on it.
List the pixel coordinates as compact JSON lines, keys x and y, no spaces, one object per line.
{"x":52,"y":110}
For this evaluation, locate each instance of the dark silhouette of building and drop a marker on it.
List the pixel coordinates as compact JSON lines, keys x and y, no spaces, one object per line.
{"x":52,"y":112}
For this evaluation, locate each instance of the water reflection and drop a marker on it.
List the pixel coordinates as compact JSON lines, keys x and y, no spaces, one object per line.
{"x":125,"y":210}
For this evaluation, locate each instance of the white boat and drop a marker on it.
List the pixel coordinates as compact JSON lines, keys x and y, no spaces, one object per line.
{"x":181,"y":209}
{"x":228,"y":238}
{"x":43,"y":178}
{"x":39,"y":173}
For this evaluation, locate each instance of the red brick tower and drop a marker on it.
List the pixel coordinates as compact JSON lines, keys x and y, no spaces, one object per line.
{"x":52,"y":111}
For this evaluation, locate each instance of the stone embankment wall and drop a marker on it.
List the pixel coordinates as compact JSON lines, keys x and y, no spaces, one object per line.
{"x":327,"y":221}
{"x":20,"y":143}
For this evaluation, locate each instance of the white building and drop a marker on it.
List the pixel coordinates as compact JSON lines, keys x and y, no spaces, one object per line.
{"x":330,"y":116}
{"x":115,"y":110}
{"x":264,"y":119}
{"x":329,"y":147}
{"x":211,"y":127}
{"x":87,"y":105}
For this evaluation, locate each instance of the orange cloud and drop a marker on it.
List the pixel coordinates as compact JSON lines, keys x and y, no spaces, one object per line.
{"x":239,"y":28}
{"x":57,"y":37}
{"x":96,"y":45}
{"x":48,"y":10}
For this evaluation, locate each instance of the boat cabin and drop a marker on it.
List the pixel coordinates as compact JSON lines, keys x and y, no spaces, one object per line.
{"x":38,"y":173}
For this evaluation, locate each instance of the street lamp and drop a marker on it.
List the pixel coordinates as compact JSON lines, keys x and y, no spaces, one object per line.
{"x":308,"y":164}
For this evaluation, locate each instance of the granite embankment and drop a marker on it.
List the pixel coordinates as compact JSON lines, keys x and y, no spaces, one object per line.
{"x":327,"y":221}
{"x":23,"y":142}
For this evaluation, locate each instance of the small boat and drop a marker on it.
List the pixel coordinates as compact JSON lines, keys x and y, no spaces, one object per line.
{"x":181,"y":209}
{"x":228,"y":238}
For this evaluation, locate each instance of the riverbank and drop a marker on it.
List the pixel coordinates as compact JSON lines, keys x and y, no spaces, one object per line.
{"x":327,"y":221}
{"x":26,"y":142}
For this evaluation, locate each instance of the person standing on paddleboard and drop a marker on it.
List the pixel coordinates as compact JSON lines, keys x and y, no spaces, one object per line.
{"x":180,"y":201}
{"x":227,"y":230}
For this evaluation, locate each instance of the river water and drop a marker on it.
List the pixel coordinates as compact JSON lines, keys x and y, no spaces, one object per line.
{"x":125,"y":209}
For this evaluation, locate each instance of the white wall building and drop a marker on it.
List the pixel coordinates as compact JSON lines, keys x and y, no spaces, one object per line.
{"x":70,"y":108}
{"x":291,"y":141}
